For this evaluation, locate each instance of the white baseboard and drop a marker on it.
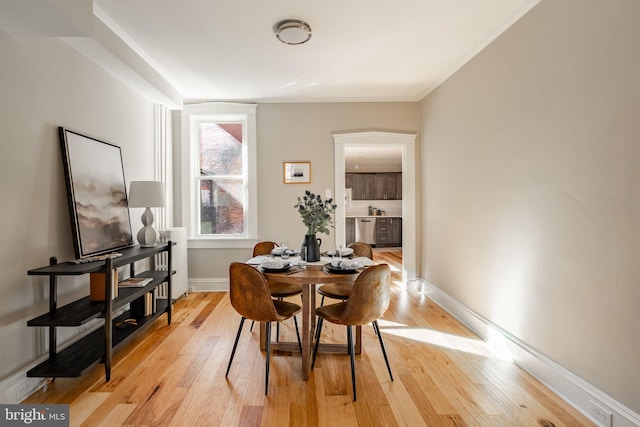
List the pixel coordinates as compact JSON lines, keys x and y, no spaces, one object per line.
{"x":561,"y":381}
{"x":17,"y":387}
{"x":209,"y":285}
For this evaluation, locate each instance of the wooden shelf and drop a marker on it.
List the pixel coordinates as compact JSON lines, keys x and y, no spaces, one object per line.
{"x":83,"y":310}
{"x":76,"y":313}
{"x":75,"y":359}
{"x":98,"y":345}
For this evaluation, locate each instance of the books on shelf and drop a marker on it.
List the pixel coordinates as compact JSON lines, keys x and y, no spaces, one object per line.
{"x":135,"y":282}
{"x":97,"y":285}
{"x":143,"y":306}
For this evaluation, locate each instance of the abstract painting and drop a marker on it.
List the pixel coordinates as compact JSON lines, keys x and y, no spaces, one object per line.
{"x":96,"y":193}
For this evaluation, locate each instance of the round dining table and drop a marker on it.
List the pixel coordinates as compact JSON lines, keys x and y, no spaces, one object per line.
{"x":311,"y":276}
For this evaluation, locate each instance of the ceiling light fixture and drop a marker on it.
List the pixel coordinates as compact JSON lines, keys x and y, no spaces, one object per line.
{"x":292,"y":31}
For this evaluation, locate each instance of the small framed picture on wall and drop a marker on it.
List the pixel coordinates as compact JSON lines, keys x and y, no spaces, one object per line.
{"x":297,"y":172}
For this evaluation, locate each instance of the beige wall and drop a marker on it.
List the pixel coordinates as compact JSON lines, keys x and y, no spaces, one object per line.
{"x":299,"y":132}
{"x":531,"y":172}
{"x":45,"y":84}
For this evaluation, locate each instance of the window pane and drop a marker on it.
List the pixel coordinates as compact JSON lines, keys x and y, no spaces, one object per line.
{"x":221,"y":207}
{"x":220,"y":149}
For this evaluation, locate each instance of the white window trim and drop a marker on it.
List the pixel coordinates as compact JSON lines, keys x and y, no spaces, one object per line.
{"x":191,"y":114}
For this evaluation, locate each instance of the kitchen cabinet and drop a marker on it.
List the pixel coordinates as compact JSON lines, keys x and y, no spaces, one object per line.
{"x":374,"y":186}
{"x":361,"y":185}
{"x":389,"y":186}
{"x":388,"y":232}
{"x":380,"y":186}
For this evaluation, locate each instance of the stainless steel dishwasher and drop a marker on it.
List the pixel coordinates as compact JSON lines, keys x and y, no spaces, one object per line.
{"x":366,"y":230}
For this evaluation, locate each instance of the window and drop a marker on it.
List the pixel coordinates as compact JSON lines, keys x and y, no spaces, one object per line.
{"x":219,"y":174}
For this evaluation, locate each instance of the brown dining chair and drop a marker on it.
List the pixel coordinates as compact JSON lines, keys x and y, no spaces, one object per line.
{"x":250,"y":297}
{"x":369,"y":300}
{"x":263,"y":248}
{"x":341,"y":291}
{"x":278,"y":290}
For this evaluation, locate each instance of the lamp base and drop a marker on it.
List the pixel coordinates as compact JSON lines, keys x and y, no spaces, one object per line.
{"x":147,"y":236}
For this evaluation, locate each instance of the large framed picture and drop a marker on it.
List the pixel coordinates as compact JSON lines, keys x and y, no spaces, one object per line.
{"x":96,"y":193}
{"x":297,"y":172}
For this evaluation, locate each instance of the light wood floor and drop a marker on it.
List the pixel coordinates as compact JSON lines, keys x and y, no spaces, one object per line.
{"x":444,"y":376}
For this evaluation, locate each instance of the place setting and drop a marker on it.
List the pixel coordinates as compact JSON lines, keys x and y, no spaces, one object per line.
{"x":343,"y":261}
{"x":283,"y":260}
{"x":343,"y":266}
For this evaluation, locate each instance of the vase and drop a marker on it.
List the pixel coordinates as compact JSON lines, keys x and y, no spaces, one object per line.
{"x":313,"y":247}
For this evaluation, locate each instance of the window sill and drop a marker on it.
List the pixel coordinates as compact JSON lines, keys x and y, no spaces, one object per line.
{"x":221,"y":242}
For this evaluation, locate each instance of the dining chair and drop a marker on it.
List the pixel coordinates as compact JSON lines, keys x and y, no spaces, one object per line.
{"x":278,"y":290}
{"x":263,"y":248}
{"x":341,"y":291}
{"x":250,"y":297}
{"x":368,"y":302}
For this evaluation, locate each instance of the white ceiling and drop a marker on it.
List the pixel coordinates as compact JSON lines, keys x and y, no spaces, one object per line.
{"x":373,"y":159}
{"x":360,"y":50}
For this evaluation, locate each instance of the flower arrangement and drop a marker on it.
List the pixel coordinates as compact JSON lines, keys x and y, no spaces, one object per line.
{"x":316,"y":213}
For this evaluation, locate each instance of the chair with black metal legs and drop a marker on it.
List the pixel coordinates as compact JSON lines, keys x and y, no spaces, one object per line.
{"x":341,"y":291}
{"x":278,"y":290}
{"x":368,"y":302}
{"x":250,"y":297}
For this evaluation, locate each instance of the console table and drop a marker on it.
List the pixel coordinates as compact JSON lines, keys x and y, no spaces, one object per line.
{"x":99,"y":344}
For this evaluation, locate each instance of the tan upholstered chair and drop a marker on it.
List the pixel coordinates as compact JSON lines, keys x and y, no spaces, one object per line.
{"x":341,"y":291}
{"x":250,"y":297}
{"x":278,"y":290}
{"x":369,"y":300}
{"x":263,"y":248}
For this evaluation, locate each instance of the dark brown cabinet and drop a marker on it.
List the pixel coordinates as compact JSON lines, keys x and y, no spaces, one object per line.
{"x":99,"y":344}
{"x":380,"y":186}
{"x":390,"y":185}
{"x":374,"y":186}
{"x":388,"y":232}
{"x":361,"y":185}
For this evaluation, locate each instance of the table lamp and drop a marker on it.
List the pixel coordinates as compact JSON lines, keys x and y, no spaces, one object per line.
{"x":146,"y":194}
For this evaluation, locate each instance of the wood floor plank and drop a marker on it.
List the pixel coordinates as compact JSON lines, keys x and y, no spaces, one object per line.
{"x":85,"y":406}
{"x":444,"y":375}
{"x":117,"y":416}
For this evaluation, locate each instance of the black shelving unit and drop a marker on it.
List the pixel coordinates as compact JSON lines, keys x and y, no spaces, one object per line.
{"x":98,"y":345}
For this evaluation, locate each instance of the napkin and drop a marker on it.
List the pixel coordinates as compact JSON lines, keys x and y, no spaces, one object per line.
{"x":257,"y":260}
{"x":366,"y":262}
{"x":346,"y":264}
{"x":274,"y":263}
{"x":278,"y":251}
{"x":344,"y":252}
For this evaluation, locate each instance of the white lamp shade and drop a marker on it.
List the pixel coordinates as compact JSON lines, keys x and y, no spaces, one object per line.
{"x":146,"y":194}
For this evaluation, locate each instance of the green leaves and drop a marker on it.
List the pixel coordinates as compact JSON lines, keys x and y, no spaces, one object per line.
{"x":316,"y":213}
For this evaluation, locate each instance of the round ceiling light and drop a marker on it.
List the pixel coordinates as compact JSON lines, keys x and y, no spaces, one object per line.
{"x":292,"y":31}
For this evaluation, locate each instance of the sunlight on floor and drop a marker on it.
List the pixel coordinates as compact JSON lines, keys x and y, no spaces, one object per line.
{"x":393,"y":268}
{"x":495,"y":347}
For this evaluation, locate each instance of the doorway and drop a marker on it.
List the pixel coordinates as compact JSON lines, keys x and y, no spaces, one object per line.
{"x":406,"y":142}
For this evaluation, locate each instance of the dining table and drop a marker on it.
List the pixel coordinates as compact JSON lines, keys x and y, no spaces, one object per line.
{"x":313,"y":274}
